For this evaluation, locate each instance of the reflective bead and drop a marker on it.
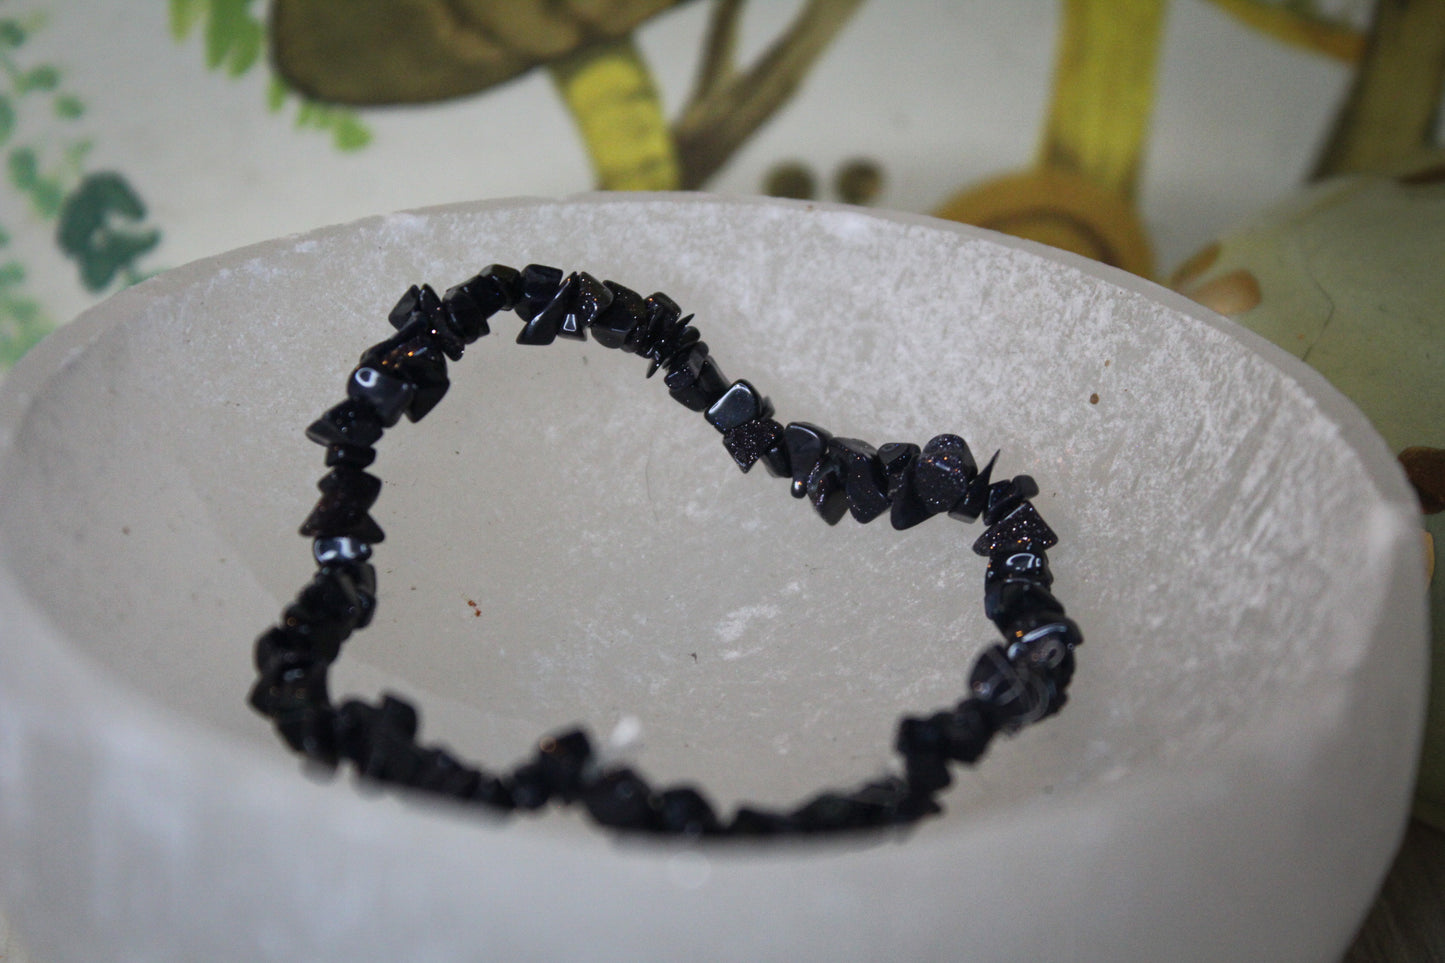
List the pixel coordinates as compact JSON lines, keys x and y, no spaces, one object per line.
{"x":539,"y":284}
{"x":752,"y":440}
{"x":825,"y":490}
{"x":470,"y":304}
{"x":673,"y":343}
{"x":543,"y":327}
{"x":806,"y":446}
{"x":942,"y":472}
{"x":363,"y":579}
{"x":906,"y":509}
{"x":740,"y":403}
{"x":421,"y":363}
{"x":1011,"y":694}
{"x":1006,"y":601}
{"x":588,"y":298}
{"x":1027,"y":630}
{"x":349,"y":423}
{"x":975,"y":495}
{"x":342,"y":549}
{"x":347,"y":493}
{"x":1012,"y":562}
{"x":354,"y":456}
{"x":620,"y":318}
{"x":1023,"y":530}
{"x":405,"y":308}
{"x":865,"y":485}
{"x":694,"y":379}
{"x":1005,"y":496}
{"x":387,"y":396}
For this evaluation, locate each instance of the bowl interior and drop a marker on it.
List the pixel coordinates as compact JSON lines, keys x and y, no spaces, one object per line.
{"x":565,"y":543}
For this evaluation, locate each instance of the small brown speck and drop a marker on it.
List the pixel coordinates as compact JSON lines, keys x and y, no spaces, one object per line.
{"x":694,"y":656}
{"x":125,"y":529}
{"x":1107,"y":362}
{"x":1094,"y":398}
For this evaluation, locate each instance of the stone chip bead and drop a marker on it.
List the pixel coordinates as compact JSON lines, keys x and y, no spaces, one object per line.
{"x":826,"y":490}
{"x":1014,"y":562}
{"x":694,"y":379}
{"x":470,"y":304}
{"x":351,"y":423}
{"x":620,"y":318}
{"x":942,"y":472}
{"x":1009,"y":692}
{"x":347,"y":493}
{"x":865,"y":484}
{"x":356,"y":456}
{"x":388,"y":396}
{"x":539,"y":284}
{"x":754,"y":440}
{"x":1023,"y":529}
{"x":621,"y":799}
{"x":684,"y":811}
{"x":339,"y":549}
{"x":905,"y":508}
{"x":420,"y":362}
{"x":1005,"y":496}
{"x":739,"y":404}
{"x":1006,"y":601}
{"x":378,"y":740}
{"x":562,"y":759}
{"x":975,"y":495}
{"x":806,"y":444}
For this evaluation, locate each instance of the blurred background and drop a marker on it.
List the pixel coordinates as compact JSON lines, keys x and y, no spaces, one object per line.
{"x":137,"y":137}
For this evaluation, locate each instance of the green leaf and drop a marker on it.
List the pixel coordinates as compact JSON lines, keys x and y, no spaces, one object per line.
{"x":7,"y":118}
{"x":67,"y":107}
{"x":230,"y":34}
{"x":306,"y":113}
{"x":41,"y":78}
{"x":47,"y":195}
{"x":75,"y":152}
{"x":11,"y":34}
{"x":276,"y":94}
{"x":11,"y":272}
{"x":95,"y":229}
{"x":184,"y":14}
{"x":348,"y":133}
{"x":250,"y":39}
{"x":24,"y":168}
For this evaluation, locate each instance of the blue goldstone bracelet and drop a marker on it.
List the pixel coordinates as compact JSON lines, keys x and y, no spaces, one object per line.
{"x":1012,"y":684}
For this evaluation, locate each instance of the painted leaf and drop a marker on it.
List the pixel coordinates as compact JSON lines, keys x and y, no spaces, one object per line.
{"x":412,"y":51}
{"x":95,"y":229}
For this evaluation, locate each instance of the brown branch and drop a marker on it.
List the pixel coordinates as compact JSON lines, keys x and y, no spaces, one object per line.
{"x":712,"y":127}
{"x":1394,"y":100}
{"x":1298,"y":28}
{"x":718,"y":63}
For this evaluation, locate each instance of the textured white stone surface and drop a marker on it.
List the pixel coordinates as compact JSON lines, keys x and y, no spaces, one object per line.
{"x":1228,"y":779}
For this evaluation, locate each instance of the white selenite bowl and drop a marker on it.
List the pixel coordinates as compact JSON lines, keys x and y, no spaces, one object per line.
{"x":1228,"y":780}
